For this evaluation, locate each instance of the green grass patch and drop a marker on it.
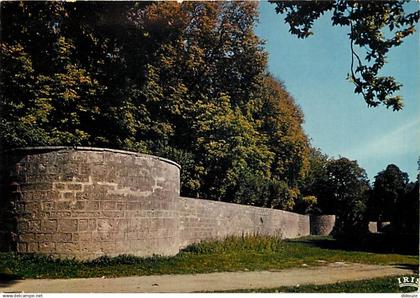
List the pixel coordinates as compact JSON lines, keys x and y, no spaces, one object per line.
{"x":248,"y":253}
{"x":377,"y":285}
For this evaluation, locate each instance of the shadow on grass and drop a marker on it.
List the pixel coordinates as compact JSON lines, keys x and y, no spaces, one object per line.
{"x":414,"y":268}
{"x":374,"y":243}
{"x":8,"y":279}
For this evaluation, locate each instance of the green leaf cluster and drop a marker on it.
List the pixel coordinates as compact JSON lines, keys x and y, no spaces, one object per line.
{"x":375,"y":28}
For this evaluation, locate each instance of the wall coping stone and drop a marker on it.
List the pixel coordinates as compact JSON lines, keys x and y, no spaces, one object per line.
{"x":321,"y":215}
{"x":97,"y":149}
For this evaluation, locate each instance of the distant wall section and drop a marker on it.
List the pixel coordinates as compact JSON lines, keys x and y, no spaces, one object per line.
{"x":322,"y":224}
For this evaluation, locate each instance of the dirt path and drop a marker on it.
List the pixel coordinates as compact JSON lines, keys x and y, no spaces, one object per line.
{"x":331,"y":273}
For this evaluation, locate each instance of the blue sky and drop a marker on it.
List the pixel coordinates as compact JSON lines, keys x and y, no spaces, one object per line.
{"x":337,"y":120}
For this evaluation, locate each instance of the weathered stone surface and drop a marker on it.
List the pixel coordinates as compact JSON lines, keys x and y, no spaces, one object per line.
{"x":322,"y":224}
{"x":203,"y":219}
{"x":88,"y":202}
{"x":82,"y":202}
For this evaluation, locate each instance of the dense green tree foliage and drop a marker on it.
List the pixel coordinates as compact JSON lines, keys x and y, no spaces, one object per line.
{"x":375,"y":27}
{"x":395,"y":199}
{"x":341,"y":187}
{"x":409,"y":213}
{"x":184,"y":81}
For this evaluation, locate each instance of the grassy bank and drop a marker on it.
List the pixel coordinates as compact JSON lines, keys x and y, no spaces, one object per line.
{"x":377,"y":285}
{"x":232,"y":254}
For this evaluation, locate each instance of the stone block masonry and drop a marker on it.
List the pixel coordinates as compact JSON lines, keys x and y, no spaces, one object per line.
{"x":87,"y":202}
{"x":322,"y":224}
{"x":204,"y":220}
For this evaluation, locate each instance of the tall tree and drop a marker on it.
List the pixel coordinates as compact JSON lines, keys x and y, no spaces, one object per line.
{"x":388,"y":193}
{"x":58,"y":94}
{"x":375,"y":26}
{"x":317,"y":165}
{"x":409,"y":211}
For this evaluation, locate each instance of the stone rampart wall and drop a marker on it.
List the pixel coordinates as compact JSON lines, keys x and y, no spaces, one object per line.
{"x":87,"y":202}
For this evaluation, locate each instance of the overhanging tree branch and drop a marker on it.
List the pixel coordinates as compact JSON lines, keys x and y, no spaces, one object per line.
{"x":368,"y":21}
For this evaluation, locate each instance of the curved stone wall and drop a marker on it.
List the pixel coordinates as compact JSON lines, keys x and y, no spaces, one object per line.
{"x":87,"y":202}
{"x":322,"y":224}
